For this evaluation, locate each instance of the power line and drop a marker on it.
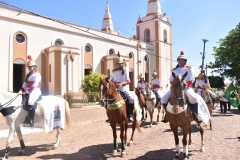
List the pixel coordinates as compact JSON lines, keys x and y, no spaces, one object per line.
{"x":87,"y":31}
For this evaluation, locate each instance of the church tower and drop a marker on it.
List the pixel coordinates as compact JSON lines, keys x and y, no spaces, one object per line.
{"x":156,"y":30}
{"x":107,"y":24}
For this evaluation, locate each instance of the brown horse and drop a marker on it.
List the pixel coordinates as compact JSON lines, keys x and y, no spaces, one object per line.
{"x":117,"y":113}
{"x":208,"y":100}
{"x":141,"y":102}
{"x":180,"y":115}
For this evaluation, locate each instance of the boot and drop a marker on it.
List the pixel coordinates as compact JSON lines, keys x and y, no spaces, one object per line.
{"x":31,"y":114}
{"x":213,"y":101}
{"x":26,"y":122}
{"x":130,"y":111}
{"x":158,"y":102}
{"x":165,"y":117}
{"x":194,"y":108}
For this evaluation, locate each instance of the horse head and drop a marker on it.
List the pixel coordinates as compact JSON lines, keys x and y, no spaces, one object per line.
{"x":149,"y":91}
{"x":108,"y":91}
{"x":205,"y":95}
{"x":177,"y":96}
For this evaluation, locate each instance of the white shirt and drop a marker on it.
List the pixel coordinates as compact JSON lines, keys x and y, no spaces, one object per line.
{"x":155,"y":83}
{"x":200,"y":83}
{"x":141,"y":85}
{"x":221,"y":94}
{"x":33,"y":84}
{"x":181,"y":71}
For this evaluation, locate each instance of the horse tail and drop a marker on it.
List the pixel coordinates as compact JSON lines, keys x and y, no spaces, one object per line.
{"x":136,"y":121}
{"x":67,"y":114}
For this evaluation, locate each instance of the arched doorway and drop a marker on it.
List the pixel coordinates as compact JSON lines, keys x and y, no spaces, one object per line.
{"x":87,"y":69}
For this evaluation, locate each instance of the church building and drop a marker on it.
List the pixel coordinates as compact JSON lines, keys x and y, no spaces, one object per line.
{"x":66,"y":52}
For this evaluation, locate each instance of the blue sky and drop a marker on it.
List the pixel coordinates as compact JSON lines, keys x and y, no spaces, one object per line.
{"x":192,"y":20}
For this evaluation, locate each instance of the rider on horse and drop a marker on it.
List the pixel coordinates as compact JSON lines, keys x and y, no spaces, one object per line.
{"x":181,"y":69}
{"x":155,"y":84}
{"x":31,"y":87}
{"x":141,"y":86}
{"x":203,"y":82}
{"x":121,"y":79}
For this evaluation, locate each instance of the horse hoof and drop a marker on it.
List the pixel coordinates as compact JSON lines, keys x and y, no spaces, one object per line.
{"x":114,"y":152}
{"x":130,"y":144}
{"x":20,"y":151}
{"x":202,"y":149}
{"x":123,"y":154}
{"x":54,"y":147}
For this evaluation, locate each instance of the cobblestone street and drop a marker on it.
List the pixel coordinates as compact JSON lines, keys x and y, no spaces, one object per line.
{"x":90,"y":138}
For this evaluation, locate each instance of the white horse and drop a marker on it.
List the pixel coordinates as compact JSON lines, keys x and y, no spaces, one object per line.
{"x":12,"y":109}
{"x":150,"y":103}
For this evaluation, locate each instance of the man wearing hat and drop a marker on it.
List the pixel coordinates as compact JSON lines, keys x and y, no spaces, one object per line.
{"x":121,"y":79}
{"x":31,"y":88}
{"x":155,"y":84}
{"x":141,"y":86}
{"x":203,"y":82}
{"x":223,"y":101}
{"x":181,"y":69}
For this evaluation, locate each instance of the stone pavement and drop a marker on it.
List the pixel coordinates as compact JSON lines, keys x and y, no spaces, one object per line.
{"x":90,"y":138}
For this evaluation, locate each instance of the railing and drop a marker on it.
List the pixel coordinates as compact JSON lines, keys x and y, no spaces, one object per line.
{"x":80,"y":99}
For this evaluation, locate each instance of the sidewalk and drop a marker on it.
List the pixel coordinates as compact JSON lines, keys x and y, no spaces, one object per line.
{"x":83,"y":115}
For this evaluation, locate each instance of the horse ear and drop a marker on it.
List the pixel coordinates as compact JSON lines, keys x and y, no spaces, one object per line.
{"x":185,"y":74}
{"x":173,"y":74}
{"x":107,"y":79}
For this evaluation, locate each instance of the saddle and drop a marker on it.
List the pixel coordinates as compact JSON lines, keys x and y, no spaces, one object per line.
{"x":25,"y":98}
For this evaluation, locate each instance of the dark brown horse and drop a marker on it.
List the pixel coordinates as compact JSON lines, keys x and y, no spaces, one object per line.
{"x":208,"y":100}
{"x":117,"y":113}
{"x":179,"y":114}
{"x":141,"y":102}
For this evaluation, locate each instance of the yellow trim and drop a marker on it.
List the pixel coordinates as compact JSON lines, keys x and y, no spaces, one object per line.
{"x":115,"y":105}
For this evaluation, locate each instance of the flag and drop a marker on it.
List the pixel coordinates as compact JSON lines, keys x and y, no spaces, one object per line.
{"x":231,"y":95}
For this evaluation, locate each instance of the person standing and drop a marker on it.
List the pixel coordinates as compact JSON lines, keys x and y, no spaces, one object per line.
{"x":31,"y":88}
{"x":181,"y":69}
{"x":223,"y":101}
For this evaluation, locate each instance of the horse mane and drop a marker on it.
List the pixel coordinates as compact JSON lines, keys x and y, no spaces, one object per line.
{"x":7,"y":95}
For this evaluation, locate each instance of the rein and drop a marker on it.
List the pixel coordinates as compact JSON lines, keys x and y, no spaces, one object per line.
{"x":8,"y":102}
{"x":176,"y":97}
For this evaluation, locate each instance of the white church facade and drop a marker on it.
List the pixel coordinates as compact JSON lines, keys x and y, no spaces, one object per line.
{"x":66,"y":52}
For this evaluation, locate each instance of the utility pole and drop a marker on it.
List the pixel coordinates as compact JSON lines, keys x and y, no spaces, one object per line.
{"x":204,"y":41}
{"x":206,"y":70}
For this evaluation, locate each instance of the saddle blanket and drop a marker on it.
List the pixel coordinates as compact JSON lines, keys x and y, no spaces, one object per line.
{"x":53,"y":110}
{"x":203,"y":112}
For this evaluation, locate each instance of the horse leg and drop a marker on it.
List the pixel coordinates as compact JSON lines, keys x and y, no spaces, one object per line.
{"x":158,"y":114}
{"x":175,"y":132}
{"x":185,"y":130}
{"x":115,"y":143}
{"x":9,"y":141}
{"x":202,"y":142}
{"x":151,"y":116}
{"x":123,"y":138}
{"x":190,"y":136}
{"x":20,"y":138}
{"x":55,"y":146}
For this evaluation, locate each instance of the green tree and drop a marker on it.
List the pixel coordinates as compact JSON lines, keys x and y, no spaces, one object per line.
{"x":216,"y":81}
{"x":227,"y":55}
{"x":91,"y":82}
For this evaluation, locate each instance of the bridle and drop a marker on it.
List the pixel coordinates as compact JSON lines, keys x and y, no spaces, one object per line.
{"x":107,"y":99}
{"x":181,"y":98}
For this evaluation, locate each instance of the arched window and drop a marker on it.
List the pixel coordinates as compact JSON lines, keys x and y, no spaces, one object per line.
{"x":146,"y":58}
{"x":111,"y":51}
{"x":59,"y":42}
{"x":130,"y":55}
{"x":147,"y":35}
{"x":165,"y":36}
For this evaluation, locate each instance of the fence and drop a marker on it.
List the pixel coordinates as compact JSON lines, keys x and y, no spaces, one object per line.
{"x":80,"y":99}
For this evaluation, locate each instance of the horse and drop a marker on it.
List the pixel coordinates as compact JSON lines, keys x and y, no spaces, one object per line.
{"x":208,"y":100}
{"x":141,"y":102}
{"x":117,"y":113}
{"x":151,"y":103}
{"x":180,"y":115}
{"x":12,"y":109}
